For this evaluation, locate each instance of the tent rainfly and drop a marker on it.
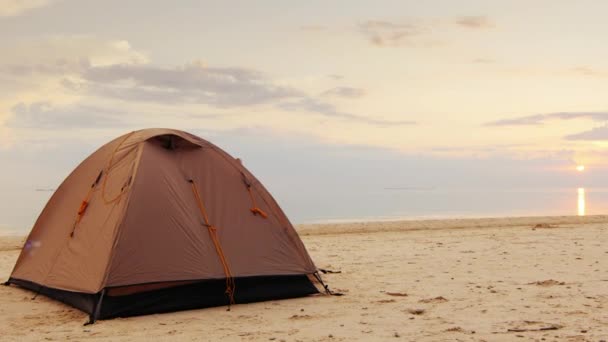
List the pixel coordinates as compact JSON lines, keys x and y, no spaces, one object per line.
{"x":160,"y":220}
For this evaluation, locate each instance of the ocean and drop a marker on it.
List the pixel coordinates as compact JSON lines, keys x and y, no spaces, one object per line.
{"x":19,"y":209}
{"x":436,"y":203}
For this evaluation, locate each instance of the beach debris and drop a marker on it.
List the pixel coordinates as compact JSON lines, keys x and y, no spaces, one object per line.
{"x":548,"y":282}
{"x":454,"y":329}
{"x":300,"y":317}
{"x":439,"y":299}
{"x":460,"y":330}
{"x":416,"y":311}
{"x":397,"y":294}
{"x":534,"y":326}
{"x":551,"y":327}
{"x":544,"y":225}
{"x":326,"y":271}
{"x":384,"y":301}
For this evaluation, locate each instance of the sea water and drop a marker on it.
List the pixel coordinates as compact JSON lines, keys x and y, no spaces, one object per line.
{"x":19,"y":208}
{"x":437,"y":203}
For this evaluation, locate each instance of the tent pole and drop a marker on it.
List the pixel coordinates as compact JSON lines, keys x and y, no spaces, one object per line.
{"x":95,"y":314}
{"x":37,"y":292}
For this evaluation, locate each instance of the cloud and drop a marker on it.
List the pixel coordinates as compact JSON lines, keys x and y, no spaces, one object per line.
{"x":11,"y":8}
{"x":521,"y":121}
{"x":70,"y":82}
{"x":38,"y":70}
{"x":386,"y":33}
{"x":345,"y":92}
{"x":58,"y":52}
{"x":539,"y":119}
{"x":594,"y":134}
{"x":192,"y":83}
{"x":327,"y":109}
{"x":589,"y":71}
{"x":475,"y":22}
{"x":57,"y":67}
{"x":222,"y":87}
{"x":45,"y":115}
{"x":61,"y":56}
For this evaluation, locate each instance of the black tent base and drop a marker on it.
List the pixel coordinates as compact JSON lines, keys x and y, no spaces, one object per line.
{"x":201,"y":294}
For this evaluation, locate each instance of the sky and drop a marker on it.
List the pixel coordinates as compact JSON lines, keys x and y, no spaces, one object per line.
{"x":317,"y":97}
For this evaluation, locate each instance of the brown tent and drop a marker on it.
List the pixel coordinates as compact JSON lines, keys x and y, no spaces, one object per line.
{"x":160,"y":220}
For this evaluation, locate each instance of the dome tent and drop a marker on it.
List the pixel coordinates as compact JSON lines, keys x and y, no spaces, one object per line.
{"x":160,"y":220}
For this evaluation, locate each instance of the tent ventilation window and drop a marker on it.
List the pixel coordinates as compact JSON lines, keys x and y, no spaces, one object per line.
{"x":167,"y":142}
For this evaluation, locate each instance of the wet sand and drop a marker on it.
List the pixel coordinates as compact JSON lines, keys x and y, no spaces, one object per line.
{"x":507,"y":279}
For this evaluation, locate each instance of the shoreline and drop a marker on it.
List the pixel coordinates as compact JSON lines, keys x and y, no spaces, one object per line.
{"x":397,"y":225}
{"x":357,"y":227}
{"x":12,"y":241}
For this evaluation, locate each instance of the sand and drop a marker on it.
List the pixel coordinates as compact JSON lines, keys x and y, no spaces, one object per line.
{"x":510,"y":279}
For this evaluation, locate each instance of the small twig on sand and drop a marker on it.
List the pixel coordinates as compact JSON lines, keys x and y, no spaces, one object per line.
{"x":551,"y":327}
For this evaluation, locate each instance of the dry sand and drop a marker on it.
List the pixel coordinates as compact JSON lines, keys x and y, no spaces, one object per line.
{"x":442,"y":280}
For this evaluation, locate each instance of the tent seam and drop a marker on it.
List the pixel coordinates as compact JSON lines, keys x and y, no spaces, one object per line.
{"x":120,"y":221}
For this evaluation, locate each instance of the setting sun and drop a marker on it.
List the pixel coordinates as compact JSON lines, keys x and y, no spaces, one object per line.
{"x":580,"y":168}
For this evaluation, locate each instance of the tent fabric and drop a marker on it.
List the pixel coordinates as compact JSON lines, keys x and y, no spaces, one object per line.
{"x":127,"y":216}
{"x":184,"y":296}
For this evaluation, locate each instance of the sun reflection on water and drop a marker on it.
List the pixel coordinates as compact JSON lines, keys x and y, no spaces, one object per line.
{"x":581,"y":202}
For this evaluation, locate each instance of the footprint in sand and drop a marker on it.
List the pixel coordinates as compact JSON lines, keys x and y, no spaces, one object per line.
{"x":439,"y":299}
{"x":416,"y":311}
{"x":549,"y":282}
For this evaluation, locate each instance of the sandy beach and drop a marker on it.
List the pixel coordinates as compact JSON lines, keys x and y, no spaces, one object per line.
{"x":507,"y":279}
